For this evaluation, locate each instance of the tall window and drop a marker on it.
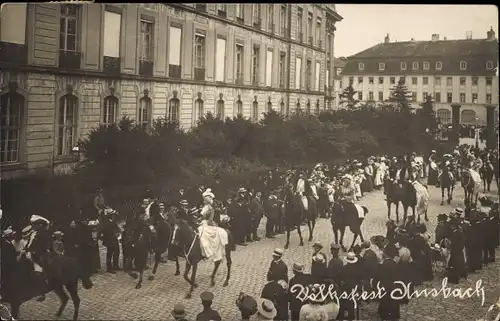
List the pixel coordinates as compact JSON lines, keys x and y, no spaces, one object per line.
{"x":318,"y":31}
{"x":370,"y":95}
{"x":270,"y":17}
{"x":425,"y":80}
{"x":474,"y":80}
{"x":298,"y":72}
{"x":310,"y":30}
{"x":489,"y":65}
{"x":240,"y":53}
{"x":219,"y":111}
{"x":462,"y":81}
{"x":317,"y":107}
{"x":300,"y":23}
{"x":239,"y":108}
{"x":437,"y":81}
{"x":438,"y":97}
{"x":426,"y":65}
{"x":255,"y":65}
{"x":308,"y":74}
{"x":199,"y":51}
{"x":282,"y":69}
{"x":415,"y":65}
{"x":282,"y":108}
{"x":308,"y":107}
{"x":317,"y":74}
{"x":255,"y":111}
{"x":444,"y":116}
{"x":269,"y":67}
{"x":403,"y":66}
{"x":199,"y":108}
{"x":112,"y":31}
{"x":328,"y":43}
{"x":110,"y":111}
{"x":12,"y":107}
{"x":439,"y":65}
{"x":449,"y":81}
{"x":146,"y":53}
{"x":463,"y":65}
{"x":283,"y":19}
{"x":256,"y":13}
{"x":297,"y":107}
{"x":221,"y":60}
{"x":449,"y":97}
{"x":145,"y":110}
{"x":69,"y":27}
{"x":380,"y":96}
{"x":174,"y":110}
{"x":269,"y":106}
{"x":66,"y":137}
{"x":327,"y":74}
{"x":474,"y":98}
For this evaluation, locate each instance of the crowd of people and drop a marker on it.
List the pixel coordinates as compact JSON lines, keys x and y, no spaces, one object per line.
{"x":405,"y":253}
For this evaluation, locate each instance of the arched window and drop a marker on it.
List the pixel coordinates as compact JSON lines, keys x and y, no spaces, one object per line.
{"x":145,"y":110}
{"x":269,"y":106}
{"x":308,"y":107}
{"x":255,"y":110}
{"x":174,"y":110}
{"x":239,"y":108}
{"x":282,"y":108}
{"x":219,"y":112}
{"x":317,"y":107}
{"x":468,"y":116}
{"x":110,"y":111}
{"x":12,"y":108}
{"x":444,"y":116}
{"x":199,"y":108}
{"x":67,"y":123}
{"x":297,"y":108}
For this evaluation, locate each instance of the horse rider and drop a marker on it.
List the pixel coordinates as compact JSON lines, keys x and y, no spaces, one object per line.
{"x":347,"y":191}
{"x":207,"y":211}
{"x":100,"y":203}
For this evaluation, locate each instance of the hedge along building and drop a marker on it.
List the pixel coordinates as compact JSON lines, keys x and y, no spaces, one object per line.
{"x":67,"y":68}
{"x":454,"y":72}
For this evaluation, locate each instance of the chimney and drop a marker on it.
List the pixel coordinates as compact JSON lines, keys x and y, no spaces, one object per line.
{"x":435,"y":37}
{"x":490,"y":35}
{"x":387,"y":39}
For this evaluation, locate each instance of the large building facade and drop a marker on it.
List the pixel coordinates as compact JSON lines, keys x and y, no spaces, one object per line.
{"x":460,"y":72}
{"x":67,"y":68}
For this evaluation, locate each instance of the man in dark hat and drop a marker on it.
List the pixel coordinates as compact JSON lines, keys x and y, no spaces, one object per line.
{"x":179,"y":313}
{"x":319,"y":263}
{"x":256,"y":212}
{"x":301,"y":279}
{"x":110,"y":236}
{"x":456,"y":265}
{"x":247,"y":306}
{"x":388,"y":274}
{"x":208,"y":313}
{"x":334,"y":269}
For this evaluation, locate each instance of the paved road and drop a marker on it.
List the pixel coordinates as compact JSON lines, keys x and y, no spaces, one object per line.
{"x":114,"y":297}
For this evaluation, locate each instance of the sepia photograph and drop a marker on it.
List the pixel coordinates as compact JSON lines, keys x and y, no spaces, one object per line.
{"x":218,"y":162}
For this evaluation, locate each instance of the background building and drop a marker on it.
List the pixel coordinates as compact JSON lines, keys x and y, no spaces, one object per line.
{"x":66,"y":68}
{"x":452,"y":71}
{"x":338,"y":85}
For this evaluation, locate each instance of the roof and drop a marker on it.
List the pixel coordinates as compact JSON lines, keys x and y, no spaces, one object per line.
{"x":430,"y":48}
{"x":338,"y":63}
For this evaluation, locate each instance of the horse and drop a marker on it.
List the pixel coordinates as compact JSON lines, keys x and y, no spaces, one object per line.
{"x":471,"y":193}
{"x":487,"y":171}
{"x":20,"y":283}
{"x":405,"y":193}
{"x":447,"y":182}
{"x":189,"y":241}
{"x":345,"y":214}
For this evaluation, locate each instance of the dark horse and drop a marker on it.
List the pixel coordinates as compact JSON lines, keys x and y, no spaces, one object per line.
{"x":295,"y":213}
{"x":404,"y":193}
{"x":189,"y":242}
{"x":447,"y":182}
{"x":20,"y":283}
{"x":345,"y":214}
{"x":487,"y":172}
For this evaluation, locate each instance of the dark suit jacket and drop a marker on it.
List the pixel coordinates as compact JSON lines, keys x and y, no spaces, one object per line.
{"x":277,"y":271}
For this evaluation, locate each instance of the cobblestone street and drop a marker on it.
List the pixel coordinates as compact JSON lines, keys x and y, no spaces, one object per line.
{"x":113,"y":297}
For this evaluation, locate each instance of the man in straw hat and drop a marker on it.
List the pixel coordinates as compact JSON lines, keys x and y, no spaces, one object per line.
{"x":266,"y":309}
{"x":318,"y":265}
{"x":111,"y":236}
{"x":302,"y":280}
{"x":278,"y":269}
{"x":208,"y":314}
{"x":350,"y":280}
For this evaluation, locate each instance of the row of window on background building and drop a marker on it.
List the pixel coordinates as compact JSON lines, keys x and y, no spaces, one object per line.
{"x":436,"y":98}
{"x":13,"y":113}
{"x":425,"y":65}
{"x":467,"y":116}
{"x":425,"y":80}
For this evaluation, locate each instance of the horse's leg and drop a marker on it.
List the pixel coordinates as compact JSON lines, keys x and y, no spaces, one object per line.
{"x":193,"y":281}
{"x":287,"y":237}
{"x":442,"y":195}
{"x":229,"y":263}
{"x":59,"y":291}
{"x":310,"y":225}
{"x":155,"y":267}
{"x":186,"y":272}
{"x":405,"y":213}
{"x":426,"y":218}
{"x":342,"y":232}
{"x":397,"y":211}
{"x":139,"y":283}
{"x":73,"y":292}
{"x":388,"y":210}
{"x":212,"y":277}
{"x":300,"y":236}
{"x":335,"y":233}
{"x":177,"y":266}
{"x":353,"y":240}
{"x":14,"y":310}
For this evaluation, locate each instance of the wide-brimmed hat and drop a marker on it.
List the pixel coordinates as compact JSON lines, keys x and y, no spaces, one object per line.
{"x":320,"y":258}
{"x":26,"y":229}
{"x":179,"y":311}
{"x":317,"y":244}
{"x":58,"y":233}
{"x":458,"y":211}
{"x":38,"y":219}
{"x":242,"y":190}
{"x":183,"y":203}
{"x":8,"y":232}
{"x":266,"y":308}
{"x":351,"y":258}
{"x":278,"y":252}
{"x":297,"y":267}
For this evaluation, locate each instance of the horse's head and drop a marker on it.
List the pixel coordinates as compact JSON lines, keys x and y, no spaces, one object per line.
{"x":182,"y":233}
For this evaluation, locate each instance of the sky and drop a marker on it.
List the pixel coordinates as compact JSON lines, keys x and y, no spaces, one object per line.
{"x":364,"y":26}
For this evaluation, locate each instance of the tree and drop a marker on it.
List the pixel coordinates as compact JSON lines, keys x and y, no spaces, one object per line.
{"x":347,"y":97}
{"x":400,"y":96}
